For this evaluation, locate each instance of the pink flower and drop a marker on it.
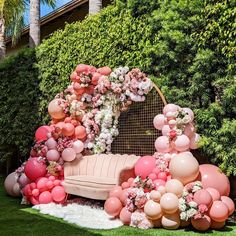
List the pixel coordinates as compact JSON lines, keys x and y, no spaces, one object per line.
{"x":197,"y":216}
{"x":189,"y":198}
{"x":202,"y":208}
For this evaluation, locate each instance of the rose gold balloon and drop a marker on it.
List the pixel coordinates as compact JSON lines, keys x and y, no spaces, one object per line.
{"x":219,"y":211}
{"x":174,"y":186}
{"x":157,"y":223}
{"x":155,"y":196}
{"x":170,"y":221}
{"x":214,"y":193}
{"x":184,"y":223}
{"x":201,"y":224}
{"x":152,"y":210}
{"x":229,"y":203}
{"x":113,"y":206}
{"x":68,"y":129}
{"x":80,"y":132}
{"x":211,"y":176}
{"x":123,"y":197}
{"x":184,"y":167}
{"x":55,"y":110}
{"x":116,"y":192}
{"x":203,"y":197}
{"x":125,"y":216}
{"x":169,"y":203}
{"x":217,"y":225}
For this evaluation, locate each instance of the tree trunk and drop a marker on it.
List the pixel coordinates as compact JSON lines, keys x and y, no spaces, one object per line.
{"x":95,"y":6}
{"x":2,"y":39}
{"x":34,"y":32}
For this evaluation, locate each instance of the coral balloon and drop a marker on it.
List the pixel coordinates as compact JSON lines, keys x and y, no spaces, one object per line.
{"x":125,"y":185}
{"x":58,"y":194}
{"x":174,"y":186}
{"x":170,"y":221}
{"x":68,"y":154}
{"x":219,"y":211}
{"x":41,"y":133}
{"x":212,"y":176}
{"x":55,"y":110}
{"x":41,"y":184}
{"x":182,"y":143}
{"x":202,"y":196}
{"x":104,"y":70}
{"x":45,"y":197}
{"x":113,"y":206}
{"x":125,"y":216}
{"x":80,"y":132}
{"x":116,"y":192}
{"x":68,"y":129}
{"x":162,"y":144}
{"x":159,"y":121}
{"x":51,"y":143}
{"x":152,"y":210}
{"x":201,"y":224}
{"x":53,"y":155}
{"x":170,"y":108}
{"x":169,"y":203}
{"x":229,"y":203}
{"x":194,"y":141}
{"x":184,"y":175}
{"x":214,"y":193}
{"x":124,"y":196}
{"x":35,"y":169}
{"x":217,"y":225}
{"x":144,"y":166}
{"x":78,"y":146}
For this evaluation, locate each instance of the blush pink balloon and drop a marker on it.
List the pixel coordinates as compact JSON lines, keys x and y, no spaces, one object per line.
{"x":113,"y":206}
{"x":169,"y":203}
{"x":53,"y":155}
{"x":68,"y":154}
{"x":155,"y":196}
{"x":182,"y":143}
{"x":219,"y":211}
{"x":51,"y":143}
{"x":211,"y":176}
{"x":189,"y":130}
{"x":34,"y":200}
{"x":189,"y":112}
{"x":124,"y":196}
{"x":170,"y":108}
{"x":125,"y":185}
{"x":35,"y":169}
{"x":159,"y":182}
{"x":152,"y":176}
{"x":162,"y":144}
{"x":152,"y":210}
{"x":162,"y":175}
{"x":159,"y":121}
{"x":116,"y":192}
{"x":35,"y":192}
{"x":41,"y":184}
{"x":78,"y":146}
{"x":125,"y":216}
{"x":229,"y":203}
{"x":194,"y":141}
{"x":58,"y":193}
{"x":45,"y":197}
{"x":202,"y":196}
{"x":41,"y":133}
{"x":174,"y":186}
{"x":165,"y":130}
{"x":214,"y":193}
{"x":23,"y":180}
{"x":144,"y":166}
{"x":201,"y":224}
{"x":55,"y":110}
{"x":49,"y":184}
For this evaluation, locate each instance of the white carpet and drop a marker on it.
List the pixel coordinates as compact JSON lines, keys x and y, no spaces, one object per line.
{"x":84,"y":216}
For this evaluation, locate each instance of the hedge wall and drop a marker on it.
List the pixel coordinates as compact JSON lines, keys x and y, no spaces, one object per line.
{"x":19,"y":93}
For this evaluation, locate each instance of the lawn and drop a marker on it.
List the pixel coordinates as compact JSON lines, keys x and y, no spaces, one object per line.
{"x":18,"y":220}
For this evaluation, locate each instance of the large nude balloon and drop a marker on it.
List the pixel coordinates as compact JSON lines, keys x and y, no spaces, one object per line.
{"x":55,"y":110}
{"x":169,"y":203}
{"x":174,"y":186}
{"x":153,"y":210}
{"x":170,"y":221}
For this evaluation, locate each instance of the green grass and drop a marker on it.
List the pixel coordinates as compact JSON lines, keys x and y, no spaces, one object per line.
{"x":18,"y":220}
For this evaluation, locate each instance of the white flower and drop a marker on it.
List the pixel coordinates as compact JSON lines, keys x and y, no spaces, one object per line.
{"x":181,"y":201}
{"x":182,"y":207}
{"x":192,"y":204}
{"x":191,"y":212}
{"x":183,"y":216}
{"x":185,"y":193}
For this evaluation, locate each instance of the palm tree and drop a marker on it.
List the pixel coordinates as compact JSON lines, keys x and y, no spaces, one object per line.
{"x":94,"y":6}
{"x":34,"y":32}
{"x":11,"y":21}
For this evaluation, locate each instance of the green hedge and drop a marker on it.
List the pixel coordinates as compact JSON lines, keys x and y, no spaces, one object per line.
{"x":19,"y":93}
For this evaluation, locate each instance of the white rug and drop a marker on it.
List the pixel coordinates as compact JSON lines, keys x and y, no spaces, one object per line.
{"x":84,"y":216}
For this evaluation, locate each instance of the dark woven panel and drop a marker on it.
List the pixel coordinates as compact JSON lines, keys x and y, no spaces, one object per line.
{"x":136,"y":131}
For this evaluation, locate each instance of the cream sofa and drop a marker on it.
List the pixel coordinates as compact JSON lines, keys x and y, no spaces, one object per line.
{"x":94,"y":176}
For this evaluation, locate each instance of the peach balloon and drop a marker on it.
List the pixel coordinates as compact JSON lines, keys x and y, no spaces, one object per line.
{"x":194,"y":141}
{"x":159,"y":121}
{"x":55,"y":110}
{"x":177,"y":170}
{"x":125,"y":216}
{"x":125,"y":185}
{"x":202,"y":196}
{"x":201,"y":224}
{"x":217,"y":225}
{"x":165,"y":130}
{"x":212,"y":176}
{"x":170,"y":221}
{"x":189,"y":130}
{"x":53,"y":155}
{"x":113,"y":206}
{"x":174,"y":186}
{"x":170,"y":108}
{"x":155,"y":196}
{"x":214,"y":193}
{"x":123,"y":197}
{"x":68,"y":129}
{"x":152,"y":210}
{"x":219,"y":211}
{"x":162,"y":144}
{"x":161,"y":190}
{"x":68,"y":154}
{"x":229,"y":203}
{"x":169,"y":203}
{"x":189,"y":112}
{"x":116,"y":192}
{"x":80,"y":132}
{"x":181,"y":143}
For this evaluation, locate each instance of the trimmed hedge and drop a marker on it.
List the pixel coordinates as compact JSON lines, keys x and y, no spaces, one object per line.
{"x":19,"y":93}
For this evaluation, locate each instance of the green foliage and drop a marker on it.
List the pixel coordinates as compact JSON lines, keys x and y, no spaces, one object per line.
{"x":19,"y":95}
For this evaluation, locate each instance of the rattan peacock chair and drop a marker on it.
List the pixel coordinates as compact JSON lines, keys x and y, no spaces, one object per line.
{"x":136,"y":131}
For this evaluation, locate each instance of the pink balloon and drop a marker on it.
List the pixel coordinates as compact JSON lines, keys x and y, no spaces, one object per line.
{"x":159,"y":121}
{"x":41,"y":133}
{"x":159,"y":182}
{"x":45,"y":197}
{"x":116,"y":192}
{"x":41,"y":184}
{"x":152,"y":176}
{"x":201,"y":224}
{"x":211,"y":176}
{"x":182,"y":143}
{"x":113,"y":206}
{"x":35,"y":169}
{"x":219,"y":211}
{"x":53,"y":155}
{"x":189,"y":130}
{"x":229,"y":203}
{"x":144,"y":166}
{"x":34,"y":200}
{"x":56,"y":182}
{"x":51,"y":143}
{"x":162,"y":144}
{"x":68,"y":154}
{"x":58,"y":194}
{"x":78,"y":146}
{"x":165,"y":130}
{"x":189,"y":112}
{"x":51,"y":177}
{"x":170,"y":108}
{"x":202,"y":196}
{"x":194,"y":141}
{"x":162,"y":175}
{"x":35,"y":192}
{"x":125,"y":216}
{"x":124,"y":196}
{"x":214,"y":193}
{"x":27,"y":191}
{"x":125,"y":185}
{"x":23,"y":180}
{"x":55,"y":110}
